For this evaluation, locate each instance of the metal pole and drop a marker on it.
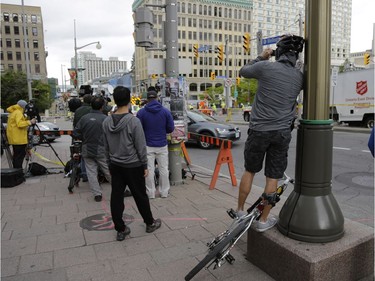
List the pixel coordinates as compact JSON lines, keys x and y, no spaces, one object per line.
{"x":25,"y":41}
{"x":171,"y":69}
{"x":311,"y":212}
{"x":227,"y":89}
{"x":75,"y":57}
{"x":62,"y":79}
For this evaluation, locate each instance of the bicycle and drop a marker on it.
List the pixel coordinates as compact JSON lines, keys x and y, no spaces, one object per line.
{"x":74,"y":172}
{"x":219,"y":248}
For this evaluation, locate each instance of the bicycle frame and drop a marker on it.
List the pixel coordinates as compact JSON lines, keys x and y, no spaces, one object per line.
{"x":221,"y":245}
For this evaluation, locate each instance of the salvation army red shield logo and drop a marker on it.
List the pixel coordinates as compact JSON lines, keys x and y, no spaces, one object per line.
{"x":361,"y":88}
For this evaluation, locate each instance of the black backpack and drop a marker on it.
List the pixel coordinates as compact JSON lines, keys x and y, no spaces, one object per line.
{"x":36,"y":169}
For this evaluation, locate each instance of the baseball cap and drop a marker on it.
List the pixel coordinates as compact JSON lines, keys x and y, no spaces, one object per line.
{"x":152,"y":94}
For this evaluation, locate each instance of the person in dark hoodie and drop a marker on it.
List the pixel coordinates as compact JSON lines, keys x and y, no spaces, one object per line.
{"x":273,"y":111}
{"x":125,"y":150}
{"x":157,"y":122}
{"x":89,"y":130}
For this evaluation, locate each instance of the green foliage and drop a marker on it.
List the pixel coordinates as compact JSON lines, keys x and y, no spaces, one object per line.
{"x":14,"y":88}
{"x":246,"y":90}
{"x":212,"y":94}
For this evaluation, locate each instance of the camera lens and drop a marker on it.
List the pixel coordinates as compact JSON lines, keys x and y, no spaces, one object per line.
{"x":273,"y":53}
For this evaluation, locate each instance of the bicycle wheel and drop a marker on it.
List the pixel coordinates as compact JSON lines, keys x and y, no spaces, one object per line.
{"x":73,"y":177}
{"x":219,"y":248}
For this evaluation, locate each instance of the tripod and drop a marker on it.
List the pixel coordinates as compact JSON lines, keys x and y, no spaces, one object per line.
{"x":5,"y":146}
{"x":30,"y":133}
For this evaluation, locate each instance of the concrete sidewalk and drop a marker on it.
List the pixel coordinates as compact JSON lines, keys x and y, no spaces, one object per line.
{"x":49,"y":234}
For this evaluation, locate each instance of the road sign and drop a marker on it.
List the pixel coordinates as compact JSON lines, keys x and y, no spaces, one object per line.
{"x":270,"y":40}
{"x":335,"y":72}
{"x":228,"y":82}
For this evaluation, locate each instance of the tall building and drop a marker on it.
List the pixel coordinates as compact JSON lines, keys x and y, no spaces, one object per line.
{"x":13,"y":49}
{"x":211,"y":23}
{"x":91,"y":67}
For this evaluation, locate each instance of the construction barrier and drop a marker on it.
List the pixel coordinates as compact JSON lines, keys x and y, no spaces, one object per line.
{"x":61,"y":132}
{"x":224,"y":156}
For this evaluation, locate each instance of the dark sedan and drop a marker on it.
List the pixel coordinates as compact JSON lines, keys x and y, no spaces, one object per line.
{"x":202,"y":124}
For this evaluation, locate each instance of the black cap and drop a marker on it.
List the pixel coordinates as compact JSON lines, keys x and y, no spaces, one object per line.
{"x":152,"y":94}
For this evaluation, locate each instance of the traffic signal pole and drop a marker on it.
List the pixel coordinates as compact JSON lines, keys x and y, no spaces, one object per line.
{"x":171,"y":69}
{"x":311,"y":213}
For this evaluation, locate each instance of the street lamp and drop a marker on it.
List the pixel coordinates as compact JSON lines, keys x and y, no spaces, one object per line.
{"x":98,"y":46}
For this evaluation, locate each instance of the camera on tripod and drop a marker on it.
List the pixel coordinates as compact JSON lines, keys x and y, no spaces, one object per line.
{"x":75,"y":148}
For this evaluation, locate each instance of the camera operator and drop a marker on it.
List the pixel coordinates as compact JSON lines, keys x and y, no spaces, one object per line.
{"x":17,"y":132}
{"x":273,"y":111}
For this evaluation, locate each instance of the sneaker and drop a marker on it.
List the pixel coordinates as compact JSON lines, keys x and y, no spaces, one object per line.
{"x":121,"y":234}
{"x":98,"y":198}
{"x":152,"y":227}
{"x":241,"y":213}
{"x":269,"y":223}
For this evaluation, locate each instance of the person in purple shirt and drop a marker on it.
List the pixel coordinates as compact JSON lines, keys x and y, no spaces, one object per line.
{"x":157,"y":122}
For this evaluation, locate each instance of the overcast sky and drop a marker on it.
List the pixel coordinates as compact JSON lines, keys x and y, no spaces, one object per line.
{"x":111,"y":23}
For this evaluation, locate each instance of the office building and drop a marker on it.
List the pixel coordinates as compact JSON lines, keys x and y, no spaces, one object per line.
{"x":13,"y":50}
{"x":214,"y":23}
{"x":92,"y":67}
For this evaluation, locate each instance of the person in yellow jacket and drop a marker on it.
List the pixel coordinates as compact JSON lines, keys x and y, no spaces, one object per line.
{"x":17,"y":131}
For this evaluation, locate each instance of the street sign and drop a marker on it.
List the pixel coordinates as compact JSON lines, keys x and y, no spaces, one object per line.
{"x":270,"y":40}
{"x":228,"y":82}
{"x":335,"y":72}
{"x":203,"y":48}
{"x":220,"y":77}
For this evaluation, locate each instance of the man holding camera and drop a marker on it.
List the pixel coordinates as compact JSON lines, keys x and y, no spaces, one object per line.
{"x":273,"y":111}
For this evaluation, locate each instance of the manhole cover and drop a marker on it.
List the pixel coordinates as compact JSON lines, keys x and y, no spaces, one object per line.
{"x":101,"y":222}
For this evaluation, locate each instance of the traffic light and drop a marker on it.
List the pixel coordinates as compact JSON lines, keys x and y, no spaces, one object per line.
{"x":220,"y":53}
{"x":366,"y":59}
{"x":154,"y":76}
{"x":238,"y":81}
{"x":195,"y":48}
{"x":213,"y":75}
{"x":246,"y":43}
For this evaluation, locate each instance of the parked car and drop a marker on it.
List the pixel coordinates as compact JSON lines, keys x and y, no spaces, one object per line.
{"x":49,"y":130}
{"x":206,"y":125}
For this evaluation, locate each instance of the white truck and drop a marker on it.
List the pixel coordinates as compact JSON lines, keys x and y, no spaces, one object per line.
{"x":352,"y":98}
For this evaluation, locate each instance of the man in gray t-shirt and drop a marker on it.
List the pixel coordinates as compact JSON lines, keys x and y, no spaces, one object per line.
{"x":272,"y":115}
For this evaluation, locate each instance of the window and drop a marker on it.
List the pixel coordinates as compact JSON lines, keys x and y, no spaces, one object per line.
{"x":34,"y":18}
{"x":36,"y":56}
{"x":16,"y":30}
{"x":10,"y":66}
{"x":19,"y":67}
{"x":7,"y":29}
{"x":18,"y":56}
{"x":15,"y":17}
{"x":6,"y":16}
{"x":1,"y":56}
{"x":35,"y":44}
{"x":35,"y":31}
{"x":37,"y":68}
{"x":9,"y":55}
{"x":8,"y":43}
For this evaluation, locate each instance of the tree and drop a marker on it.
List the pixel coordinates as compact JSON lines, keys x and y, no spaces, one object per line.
{"x":14,"y":88}
{"x":246,"y":90}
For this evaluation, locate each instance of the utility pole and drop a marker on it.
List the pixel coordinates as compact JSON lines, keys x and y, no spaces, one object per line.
{"x":311,"y":213}
{"x":171,"y":69}
{"x":227,"y":88}
{"x":26,"y":45}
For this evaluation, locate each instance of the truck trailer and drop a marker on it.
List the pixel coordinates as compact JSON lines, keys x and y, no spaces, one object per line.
{"x":352,"y":98}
